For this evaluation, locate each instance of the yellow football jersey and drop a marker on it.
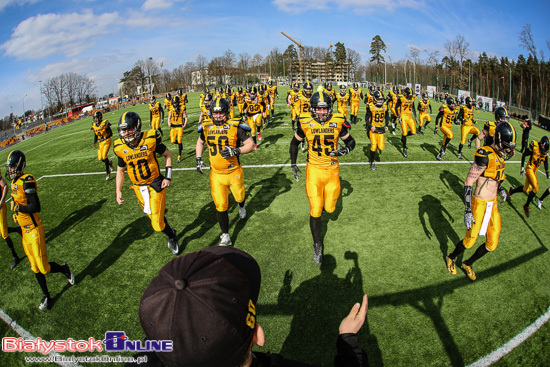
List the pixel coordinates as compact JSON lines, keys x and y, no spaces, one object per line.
{"x":355,"y":95}
{"x":486,"y":156}
{"x":167,"y":104}
{"x":342,"y":99}
{"x":294,"y":96}
{"x":537,"y":157}
{"x":405,"y":109}
{"x":378,"y":117}
{"x":490,"y":126}
{"x":241,"y":97}
{"x":141,"y":161}
{"x":423,"y":106}
{"x":253,"y":106}
{"x":303,"y":102}
{"x":100,"y":129}
{"x":218,"y":137}
{"x":322,"y":138}
{"x":18,"y":187}
{"x":176,"y":117}
{"x":468,"y":115}
{"x":449,"y":116}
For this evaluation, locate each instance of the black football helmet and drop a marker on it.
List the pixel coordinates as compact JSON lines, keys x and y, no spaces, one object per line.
{"x":395,"y":89}
{"x":501,"y":115}
{"x":308,"y":89}
{"x":407,"y":92}
{"x":176,"y":101}
{"x":219,"y":105}
{"x":371,"y":89}
{"x":328,"y":86}
{"x":505,"y":139}
{"x":356,"y":86}
{"x":425,"y":96}
{"x":271,"y":83}
{"x":253,"y":91}
{"x":451,"y":103}
{"x":15,"y":165}
{"x":208,"y":101}
{"x":378,"y":99}
{"x":469,"y":102}
{"x":168,"y":96}
{"x":544,"y":144}
{"x":320,"y":100}
{"x":153,"y":98}
{"x":98,"y":117}
{"x":129,"y":128}
{"x":343,"y":88}
{"x":296,"y":87}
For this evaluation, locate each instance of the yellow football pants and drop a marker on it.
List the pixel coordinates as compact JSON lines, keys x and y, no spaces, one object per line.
{"x":322,"y":188}
{"x":34,"y":245}
{"x":103,"y":149}
{"x":407,"y":123}
{"x":377,"y":141}
{"x":157,"y":202}
{"x":176,"y":134}
{"x":221,"y":183}
{"x":493,"y":230}
{"x":465,"y":130}
{"x":531,"y":181}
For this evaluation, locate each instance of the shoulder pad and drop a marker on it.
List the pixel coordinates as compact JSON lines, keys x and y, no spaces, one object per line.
{"x":157,"y":134}
{"x":244,"y":126}
{"x":532,"y":144}
{"x":482,"y":151}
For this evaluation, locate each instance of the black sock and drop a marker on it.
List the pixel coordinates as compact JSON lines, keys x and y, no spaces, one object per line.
{"x":106,"y":161}
{"x":371,"y":157}
{"x":404,"y":141}
{"x":546,"y":193}
{"x":55,"y":267}
{"x":316,"y":226}
{"x":473,"y":138}
{"x":41,"y":278}
{"x":459,"y":248}
{"x":426,"y":124}
{"x":180,"y":148}
{"x":167,"y":229}
{"x":445,"y":142}
{"x":223,"y":220}
{"x":530,"y":198}
{"x":480,"y":252}
{"x":516,"y":190}
{"x":460,"y":148}
{"x":9,"y":242}
{"x":241,"y":204}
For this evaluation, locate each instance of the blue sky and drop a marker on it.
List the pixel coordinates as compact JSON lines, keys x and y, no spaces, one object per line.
{"x":41,"y":39}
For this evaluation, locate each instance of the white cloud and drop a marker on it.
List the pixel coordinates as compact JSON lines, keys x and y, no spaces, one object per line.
{"x":361,"y":6}
{"x":6,"y":3}
{"x":47,"y":34}
{"x":157,"y":4}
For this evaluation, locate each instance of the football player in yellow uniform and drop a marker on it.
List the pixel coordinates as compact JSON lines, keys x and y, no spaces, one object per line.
{"x":322,"y":129}
{"x":481,"y":215}
{"x":26,"y":206}
{"x":263,"y":92}
{"x":423,"y":106}
{"x":230,"y":96}
{"x":203,"y":96}
{"x":272,"y":89}
{"x":355,"y":95}
{"x":156,"y":113}
{"x":183,"y":100}
{"x":253,"y":111}
{"x":240,"y":96}
{"x":466,"y":117}
{"x":136,"y":151}
{"x":223,"y":137}
{"x":167,"y":104}
{"x":393,"y":96}
{"x":343,"y":101}
{"x":405,"y":109}
{"x":377,"y":124}
{"x":292,"y":102}
{"x":331,"y":92}
{"x":103,"y":133}
{"x":369,"y":97}
{"x":4,"y":229}
{"x":486,"y":135}
{"x":205,"y":109}
{"x":447,"y":116}
{"x":177,"y":121}
{"x":537,"y":153}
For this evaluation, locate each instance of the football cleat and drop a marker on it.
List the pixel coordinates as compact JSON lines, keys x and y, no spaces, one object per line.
{"x":317,"y":253}
{"x":107,"y":176}
{"x":242,"y":212}
{"x":179,"y":159}
{"x":405,"y":153}
{"x":68,"y":273}
{"x":225,"y":240}
{"x":459,"y":156}
{"x":439,"y":157}
{"x":303,"y":146}
{"x":469,"y":271}
{"x":469,"y":144}
{"x":425,"y":127}
{"x":45,"y":303}
{"x":16,"y":260}
{"x":451,"y":266}
{"x":111,"y":165}
{"x":259,"y":137}
{"x":173,"y":242}
{"x":393,"y":132}
{"x":419,"y":132}
{"x":526,"y":210}
{"x":255,"y":146}
{"x":443,"y":151}
{"x":373,"y":166}
{"x":539,"y":203}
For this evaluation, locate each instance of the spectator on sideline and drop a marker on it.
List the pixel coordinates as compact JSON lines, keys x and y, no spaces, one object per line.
{"x":526,"y":126}
{"x":205,"y":302}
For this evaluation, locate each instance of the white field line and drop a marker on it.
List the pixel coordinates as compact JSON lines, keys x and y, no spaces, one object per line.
{"x":494,"y":356}
{"x":28,"y":336}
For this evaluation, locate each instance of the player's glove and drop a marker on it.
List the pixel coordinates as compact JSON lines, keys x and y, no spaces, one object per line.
{"x":340,"y":152}
{"x":200,"y":165}
{"x":503,"y":193}
{"x":522,"y":172}
{"x":229,"y":152}
{"x":295,"y":171}
{"x":468,"y":219}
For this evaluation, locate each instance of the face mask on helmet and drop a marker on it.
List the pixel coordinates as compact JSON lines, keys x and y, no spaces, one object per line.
{"x":505,"y":140}
{"x":219,"y":111}
{"x":15,"y":164}
{"x":544,"y":144}
{"x":129,"y":128}
{"x":378,"y":100}
{"x":98,"y":117}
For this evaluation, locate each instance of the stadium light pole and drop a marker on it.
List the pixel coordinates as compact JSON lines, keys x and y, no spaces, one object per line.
{"x":23,"y":98}
{"x":41,"y":103}
{"x":510,"y":95}
{"x":384,"y":72}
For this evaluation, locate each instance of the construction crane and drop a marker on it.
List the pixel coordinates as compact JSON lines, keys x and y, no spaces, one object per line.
{"x":300,"y":53}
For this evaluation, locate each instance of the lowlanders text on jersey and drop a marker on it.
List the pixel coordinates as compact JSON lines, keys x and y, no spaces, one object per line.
{"x":115,"y":341}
